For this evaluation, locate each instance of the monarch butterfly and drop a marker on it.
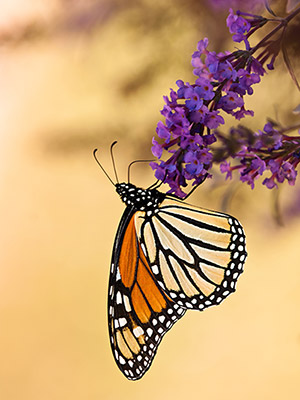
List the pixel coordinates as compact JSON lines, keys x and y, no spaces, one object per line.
{"x":168,"y":257}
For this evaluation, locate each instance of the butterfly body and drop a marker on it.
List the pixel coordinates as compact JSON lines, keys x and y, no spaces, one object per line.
{"x":168,"y":257}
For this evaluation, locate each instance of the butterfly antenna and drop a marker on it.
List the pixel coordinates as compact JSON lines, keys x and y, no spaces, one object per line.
{"x":113,"y":160}
{"x":195,"y":187}
{"x":133,"y":162}
{"x":158,"y":183}
{"x":98,"y":162}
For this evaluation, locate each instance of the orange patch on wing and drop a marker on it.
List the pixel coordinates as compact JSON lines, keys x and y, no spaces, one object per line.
{"x":145,"y":292}
{"x":139,"y":304}
{"x":128,"y":255}
{"x":147,"y":284}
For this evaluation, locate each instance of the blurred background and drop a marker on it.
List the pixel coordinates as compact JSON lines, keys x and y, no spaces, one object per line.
{"x":79,"y":74}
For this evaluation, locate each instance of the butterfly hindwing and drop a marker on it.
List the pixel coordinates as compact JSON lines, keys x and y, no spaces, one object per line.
{"x":196,"y":255}
{"x":139,"y":311}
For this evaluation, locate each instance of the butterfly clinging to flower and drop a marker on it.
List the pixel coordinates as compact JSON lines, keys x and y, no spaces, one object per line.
{"x":168,"y":257}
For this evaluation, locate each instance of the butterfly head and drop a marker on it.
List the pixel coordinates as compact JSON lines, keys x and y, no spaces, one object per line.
{"x":141,"y":199}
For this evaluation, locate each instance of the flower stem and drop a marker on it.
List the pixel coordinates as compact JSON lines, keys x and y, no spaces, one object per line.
{"x":284,"y":22}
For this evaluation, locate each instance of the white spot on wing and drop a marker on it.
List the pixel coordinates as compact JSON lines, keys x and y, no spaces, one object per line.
{"x":149,"y":331}
{"x":126,"y":303}
{"x":119,"y":298}
{"x":118,"y":277}
{"x":143,"y":248}
{"x":155,"y":269}
{"x":122,"y":322}
{"x":138,"y":331}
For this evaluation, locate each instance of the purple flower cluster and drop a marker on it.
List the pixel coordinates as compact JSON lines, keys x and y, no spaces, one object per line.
{"x":266,"y":150}
{"x":193,"y":110}
{"x":242,"y":25}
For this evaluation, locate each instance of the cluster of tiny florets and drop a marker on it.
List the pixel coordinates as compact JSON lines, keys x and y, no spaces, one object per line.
{"x":270,"y":150}
{"x":193,"y":112}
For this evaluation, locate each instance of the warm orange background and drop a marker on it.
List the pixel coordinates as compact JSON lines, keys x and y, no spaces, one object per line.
{"x":66,"y":88}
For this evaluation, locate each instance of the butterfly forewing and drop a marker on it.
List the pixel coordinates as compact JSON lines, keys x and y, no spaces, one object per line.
{"x":195,"y":254}
{"x":140,"y":312}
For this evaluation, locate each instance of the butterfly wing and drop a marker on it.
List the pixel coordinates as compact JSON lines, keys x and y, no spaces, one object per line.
{"x":139,"y":311}
{"x":196,"y":255}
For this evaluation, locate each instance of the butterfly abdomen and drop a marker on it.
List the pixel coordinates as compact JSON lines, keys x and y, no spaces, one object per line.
{"x":141,"y":199}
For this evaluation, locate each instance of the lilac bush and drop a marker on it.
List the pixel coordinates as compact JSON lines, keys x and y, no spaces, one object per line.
{"x":189,"y":142}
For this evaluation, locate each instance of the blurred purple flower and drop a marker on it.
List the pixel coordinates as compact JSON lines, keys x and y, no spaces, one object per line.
{"x":226,"y":168}
{"x":270,"y":183}
{"x":287,"y":172}
{"x":266,"y":150}
{"x":258,"y":165}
